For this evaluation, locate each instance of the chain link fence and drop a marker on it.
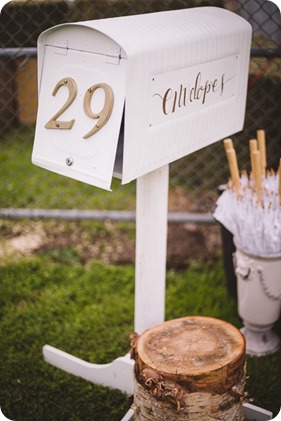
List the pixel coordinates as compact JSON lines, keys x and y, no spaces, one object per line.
{"x":196,"y":176}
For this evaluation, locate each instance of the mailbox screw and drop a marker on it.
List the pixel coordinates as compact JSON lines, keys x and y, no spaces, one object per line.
{"x":57,"y":125}
{"x":69,"y":161}
{"x":65,"y":81}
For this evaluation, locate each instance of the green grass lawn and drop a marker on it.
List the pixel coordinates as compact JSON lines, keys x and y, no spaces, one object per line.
{"x":87,"y":310}
{"x":24,"y":185}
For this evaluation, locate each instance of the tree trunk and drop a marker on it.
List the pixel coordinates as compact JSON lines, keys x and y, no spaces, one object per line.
{"x":191,"y":368}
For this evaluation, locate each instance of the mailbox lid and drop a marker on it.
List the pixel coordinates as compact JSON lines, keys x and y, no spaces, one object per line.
{"x":167,"y":50}
{"x":85,"y":58}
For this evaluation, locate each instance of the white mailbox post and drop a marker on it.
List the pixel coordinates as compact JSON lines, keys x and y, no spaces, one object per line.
{"x":126,"y":96}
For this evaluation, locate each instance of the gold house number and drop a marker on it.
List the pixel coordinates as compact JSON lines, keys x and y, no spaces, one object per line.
{"x":102,"y":116}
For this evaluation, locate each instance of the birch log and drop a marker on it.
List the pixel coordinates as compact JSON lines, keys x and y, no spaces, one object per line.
{"x":192,"y":368}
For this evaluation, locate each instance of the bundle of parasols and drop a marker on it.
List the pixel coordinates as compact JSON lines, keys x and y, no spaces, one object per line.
{"x":250,"y":206}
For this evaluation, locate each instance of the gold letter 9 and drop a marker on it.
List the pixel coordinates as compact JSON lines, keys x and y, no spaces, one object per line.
{"x":104,"y":114}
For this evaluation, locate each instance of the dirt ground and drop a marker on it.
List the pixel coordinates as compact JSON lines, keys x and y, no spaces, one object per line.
{"x":186,"y":242}
{"x":112,"y":242}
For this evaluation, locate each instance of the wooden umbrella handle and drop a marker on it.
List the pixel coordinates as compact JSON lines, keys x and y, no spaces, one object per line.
{"x":257,"y":173}
{"x":280,"y":181}
{"x":253,"y":144}
{"x":228,"y":144}
{"x":234,"y":170}
{"x":262,"y":149}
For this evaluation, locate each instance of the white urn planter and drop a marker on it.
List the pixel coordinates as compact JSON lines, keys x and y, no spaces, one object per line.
{"x":259,"y":299}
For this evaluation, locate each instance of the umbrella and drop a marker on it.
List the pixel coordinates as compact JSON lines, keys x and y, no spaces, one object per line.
{"x":250,"y":206}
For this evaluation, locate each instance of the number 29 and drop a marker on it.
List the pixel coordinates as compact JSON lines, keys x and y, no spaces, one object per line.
{"x":102,"y":116}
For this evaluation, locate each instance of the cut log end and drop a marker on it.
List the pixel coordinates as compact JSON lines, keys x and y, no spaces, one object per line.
{"x":192,"y":365}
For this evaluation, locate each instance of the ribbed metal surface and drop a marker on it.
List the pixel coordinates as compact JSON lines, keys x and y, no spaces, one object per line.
{"x":161,"y":42}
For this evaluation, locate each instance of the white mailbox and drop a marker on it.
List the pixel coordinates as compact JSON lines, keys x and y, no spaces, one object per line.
{"x":125,"y":96}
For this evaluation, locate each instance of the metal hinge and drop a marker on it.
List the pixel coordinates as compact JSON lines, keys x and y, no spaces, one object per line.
{"x":112,"y":58}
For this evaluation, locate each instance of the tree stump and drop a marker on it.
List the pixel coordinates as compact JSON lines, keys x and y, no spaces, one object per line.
{"x":192,"y":368}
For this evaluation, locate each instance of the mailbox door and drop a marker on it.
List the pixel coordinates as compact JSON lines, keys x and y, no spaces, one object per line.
{"x":81,"y":101}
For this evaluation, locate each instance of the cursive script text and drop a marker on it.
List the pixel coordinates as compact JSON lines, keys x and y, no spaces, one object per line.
{"x":174,"y":99}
